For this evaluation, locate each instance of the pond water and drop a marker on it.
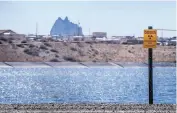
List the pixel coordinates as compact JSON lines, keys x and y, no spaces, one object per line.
{"x":92,"y":85}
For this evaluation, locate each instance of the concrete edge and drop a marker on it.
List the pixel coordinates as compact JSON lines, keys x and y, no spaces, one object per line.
{"x":80,"y":65}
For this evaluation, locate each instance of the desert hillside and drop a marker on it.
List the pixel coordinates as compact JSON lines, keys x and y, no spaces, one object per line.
{"x":13,"y":50}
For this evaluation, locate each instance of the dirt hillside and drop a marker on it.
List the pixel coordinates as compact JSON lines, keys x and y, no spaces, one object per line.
{"x":25,"y":50}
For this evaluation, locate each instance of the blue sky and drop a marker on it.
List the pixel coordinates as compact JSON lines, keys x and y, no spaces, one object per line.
{"x":115,"y":18}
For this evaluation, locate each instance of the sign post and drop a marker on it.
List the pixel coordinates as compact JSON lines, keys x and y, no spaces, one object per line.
{"x":150,"y":41}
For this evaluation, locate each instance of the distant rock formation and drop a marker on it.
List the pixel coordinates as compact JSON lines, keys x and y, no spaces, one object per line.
{"x":65,"y":28}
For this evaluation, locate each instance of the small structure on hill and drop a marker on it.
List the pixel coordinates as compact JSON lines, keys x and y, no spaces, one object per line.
{"x":6,"y":32}
{"x":10,"y":34}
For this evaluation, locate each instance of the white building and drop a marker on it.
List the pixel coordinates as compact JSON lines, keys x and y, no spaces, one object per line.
{"x":99,"y":34}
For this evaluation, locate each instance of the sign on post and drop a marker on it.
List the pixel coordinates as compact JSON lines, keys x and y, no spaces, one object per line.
{"x":150,"y":38}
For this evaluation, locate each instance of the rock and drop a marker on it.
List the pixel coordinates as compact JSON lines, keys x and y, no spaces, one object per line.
{"x":65,"y":28}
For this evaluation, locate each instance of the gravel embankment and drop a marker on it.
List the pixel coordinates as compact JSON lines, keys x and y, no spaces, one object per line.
{"x":88,"y":108}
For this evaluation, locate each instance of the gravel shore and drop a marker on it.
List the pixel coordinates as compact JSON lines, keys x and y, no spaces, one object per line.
{"x":87,"y":108}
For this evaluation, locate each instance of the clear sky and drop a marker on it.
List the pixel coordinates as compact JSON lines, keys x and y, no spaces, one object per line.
{"x":115,"y":18}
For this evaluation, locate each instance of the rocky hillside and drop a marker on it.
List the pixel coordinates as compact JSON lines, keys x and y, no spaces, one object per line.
{"x":51,"y":50}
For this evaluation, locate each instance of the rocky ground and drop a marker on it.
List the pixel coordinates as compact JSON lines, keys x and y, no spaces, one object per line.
{"x":87,"y":108}
{"x":20,"y":50}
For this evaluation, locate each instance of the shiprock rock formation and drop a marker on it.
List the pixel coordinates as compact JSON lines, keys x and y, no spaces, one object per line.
{"x":65,"y":28}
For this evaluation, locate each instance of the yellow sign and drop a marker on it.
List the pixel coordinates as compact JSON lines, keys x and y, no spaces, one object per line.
{"x":150,"y":38}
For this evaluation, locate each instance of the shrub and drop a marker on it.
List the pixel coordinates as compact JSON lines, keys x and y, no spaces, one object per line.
{"x":124,"y":42}
{"x":47,"y":52}
{"x":4,"y":39}
{"x":31,"y":46}
{"x":83,"y":39}
{"x":80,"y":44}
{"x":89,"y":42}
{"x":10,"y":41}
{"x":26,"y":50}
{"x":43,"y":47}
{"x":73,"y":49}
{"x":76,"y":39}
{"x":47,"y":44}
{"x":96,"y":52}
{"x":106,"y":60}
{"x":65,"y":43}
{"x":20,"y":45}
{"x":81,"y":53}
{"x":109,"y":59}
{"x":32,"y":52}
{"x":94,"y":61}
{"x":43,"y":41}
{"x":24,"y":41}
{"x":69,"y":58}
{"x":54,"y":60}
{"x":51,"y":39}
{"x":56,"y":56}
{"x":53,"y":50}
{"x":11,"y":38}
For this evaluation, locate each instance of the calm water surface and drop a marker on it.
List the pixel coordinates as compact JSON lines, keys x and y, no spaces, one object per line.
{"x":75,"y":85}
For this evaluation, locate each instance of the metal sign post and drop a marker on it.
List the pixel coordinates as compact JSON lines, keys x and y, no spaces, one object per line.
{"x":150,"y":74}
{"x":150,"y":41}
